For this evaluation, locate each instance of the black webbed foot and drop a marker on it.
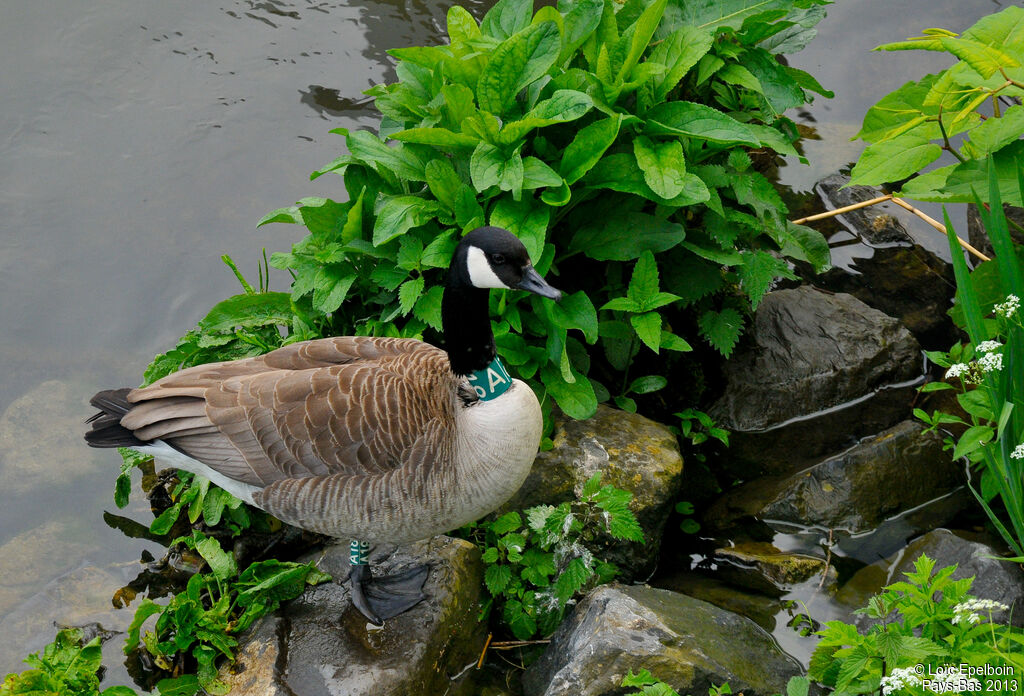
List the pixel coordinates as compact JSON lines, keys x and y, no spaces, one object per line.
{"x":381,"y":598}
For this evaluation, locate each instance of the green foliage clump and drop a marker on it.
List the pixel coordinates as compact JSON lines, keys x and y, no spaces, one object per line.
{"x":67,"y":666}
{"x":533,"y":570}
{"x":910,"y":128}
{"x":990,"y":370}
{"x":614,"y":139}
{"x":929,"y":622}
{"x":647,"y":685}
{"x":204,"y":620}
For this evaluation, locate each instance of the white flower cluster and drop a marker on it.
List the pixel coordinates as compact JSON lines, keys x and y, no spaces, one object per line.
{"x":899,"y":679}
{"x":988,"y":346}
{"x":1018,"y":452}
{"x":1008,"y":308}
{"x":968,"y":611}
{"x":990,"y":362}
{"x":958,"y":370}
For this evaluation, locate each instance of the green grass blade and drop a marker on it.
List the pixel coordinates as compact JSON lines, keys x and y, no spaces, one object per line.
{"x":966,"y":295}
{"x":999,"y":234}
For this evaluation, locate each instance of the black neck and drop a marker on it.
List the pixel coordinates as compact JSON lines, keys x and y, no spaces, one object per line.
{"x":467,"y":329}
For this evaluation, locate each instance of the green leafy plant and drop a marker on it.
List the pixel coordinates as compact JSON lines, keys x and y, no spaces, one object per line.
{"x":66,"y":666}
{"x":929,"y":622}
{"x":203,"y":621}
{"x":911,"y":127}
{"x":613,"y":139}
{"x":534,"y":570}
{"x":990,"y":371}
{"x":647,"y":685}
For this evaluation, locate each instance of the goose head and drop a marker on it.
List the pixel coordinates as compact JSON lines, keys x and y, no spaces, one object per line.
{"x":492,"y":257}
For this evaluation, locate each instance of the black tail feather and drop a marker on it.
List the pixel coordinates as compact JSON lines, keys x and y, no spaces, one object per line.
{"x":106,"y":430}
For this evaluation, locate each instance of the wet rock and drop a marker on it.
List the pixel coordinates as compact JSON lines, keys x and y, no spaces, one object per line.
{"x":759,"y":608}
{"x":631,"y":452}
{"x":320,"y":645}
{"x":811,"y":355}
{"x":870,"y":223}
{"x":977,"y":236}
{"x":855,"y":491}
{"x":764,"y":568}
{"x":993,"y":579}
{"x":683,"y":641}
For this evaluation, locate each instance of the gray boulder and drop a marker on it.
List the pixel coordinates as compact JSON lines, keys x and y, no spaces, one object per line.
{"x":814,"y":370}
{"x":683,"y":641}
{"x":631,"y":452}
{"x":855,"y":491}
{"x":993,"y":579}
{"x":319,"y":645}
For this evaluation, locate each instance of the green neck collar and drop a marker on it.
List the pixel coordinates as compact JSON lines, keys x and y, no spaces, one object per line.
{"x":490,"y":382}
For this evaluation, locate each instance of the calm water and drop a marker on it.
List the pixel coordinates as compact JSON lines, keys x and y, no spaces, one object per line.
{"x":140,"y":141}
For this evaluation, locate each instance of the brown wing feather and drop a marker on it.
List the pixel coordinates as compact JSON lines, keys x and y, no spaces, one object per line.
{"x":351,"y":406}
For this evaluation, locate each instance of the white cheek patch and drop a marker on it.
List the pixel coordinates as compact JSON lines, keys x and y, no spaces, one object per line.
{"x":481,"y":275}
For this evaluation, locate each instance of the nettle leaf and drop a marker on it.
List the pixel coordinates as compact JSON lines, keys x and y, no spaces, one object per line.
{"x":519,"y":60}
{"x":644,"y":283}
{"x":524,"y":219}
{"x":662,"y":164}
{"x":428,"y":307}
{"x":892,"y":160}
{"x":399,"y":214}
{"x":572,"y":579}
{"x":438,"y":254}
{"x":648,"y":328}
{"x":699,"y":121}
{"x":249,"y":311}
{"x":497,"y":577}
{"x":721,"y":329}
{"x":408,"y":293}
{"x":587,"y":148}
{"x":506,"y":18}
{"x":757,"y":273}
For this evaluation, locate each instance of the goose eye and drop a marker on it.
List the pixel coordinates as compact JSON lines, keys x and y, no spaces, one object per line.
{"x":497,"y":259}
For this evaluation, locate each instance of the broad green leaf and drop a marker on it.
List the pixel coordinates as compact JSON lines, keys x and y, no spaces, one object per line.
{"x":1004,"y":29}
{"x":587,"y":147}
{"x":248,"y":311}
{"x":399,"y":160}
{"x":581,"y":18}
{"x":458,"y":104}
{"x":331,"y":284}
{"x":662,"y":164}
{"x":526,"y":220}
{"x":462,"y":25}
{"x":576,"y":311}
{"x":438,"y":254}
{"x":957,"y":183}
{"x":892,"y":160}
{"x":638,"y":36}
{"x":185,"y":685}
{"x":221,"y":563}
{"x":986,"y":60}
{"x":438,"y":137}
{"x":648,"y":328}
{"x":563,"y":106}
{"x":806,"y":244}
{"x":995,"y":133}
{"x":626,"y":237}
{"x":577,"y":400}
{"x":780,"y":90}
{"x":898,"y":108}
{"x":408,"y":293}
{"x":428,"y":307}
{"x":679,"y":52}
{"x":736,"y":74}
{"x":537,"y":174}
{"x":644,"y":283}
{"x":518,"y":61}
{"x":443,"y":182}
{"x":795,"y":38}
{"x":647,"y":384}
{"x":506,"y":18}
{"x":399,"y":214}
{"x":620,"y":172}
{"x":490,"y":167}
{"x":698,"y":121}
{"x":974,"y":437}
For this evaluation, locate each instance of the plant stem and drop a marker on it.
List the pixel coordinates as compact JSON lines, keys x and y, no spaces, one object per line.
{"x":945,"y":139}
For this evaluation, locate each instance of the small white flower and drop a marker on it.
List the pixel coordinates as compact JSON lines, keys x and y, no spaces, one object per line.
{"x":1008,"y":308}
{"x":957,"y":370}
{"x":967,"y":612}
{"x":989,"y":346}
{"x":990,"y":362}
{"x":1018,"y":452}
{"x":900,"y":679}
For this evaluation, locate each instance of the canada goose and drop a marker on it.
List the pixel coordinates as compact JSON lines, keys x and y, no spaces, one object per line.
{"x":371,"y":439}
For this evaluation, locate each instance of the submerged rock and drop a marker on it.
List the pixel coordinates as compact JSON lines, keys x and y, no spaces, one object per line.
{"x":993,"y":578}
{"x":764,"y":568}
{"x":631,"y":452}
{"x":809,"y":355}
{"x":683,"y":641}
{"x":320,"y":645}
{"x":855,"y":491}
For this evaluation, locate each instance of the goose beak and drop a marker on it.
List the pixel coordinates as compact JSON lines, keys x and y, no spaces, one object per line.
{"x":532,"y":282}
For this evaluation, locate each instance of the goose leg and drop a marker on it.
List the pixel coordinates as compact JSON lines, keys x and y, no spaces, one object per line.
{"x":381,"y":598}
